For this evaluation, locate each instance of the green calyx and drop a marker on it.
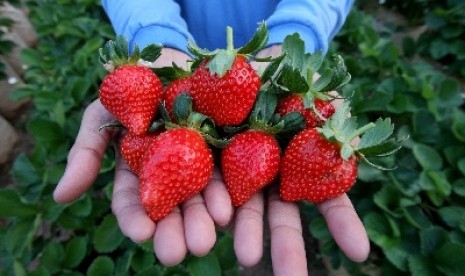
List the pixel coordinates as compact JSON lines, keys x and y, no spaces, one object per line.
{"x":221,"y":60}
{"x":186,"y":117}
{"x":263,"y":116}
{"x":116,"y":53}
{"x":376,"y":138}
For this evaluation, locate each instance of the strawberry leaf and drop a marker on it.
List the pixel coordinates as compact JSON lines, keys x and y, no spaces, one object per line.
{"x":385,"y":148}
{"x":337,"y":75}
{"x":272,"y":69}
{"x":199,"y":52}
{"x":151,"y":52}
{"x":292,"y":79}
{"x":383,"y":130}
{"x":258,"y":41}
{"x":264,"y":108}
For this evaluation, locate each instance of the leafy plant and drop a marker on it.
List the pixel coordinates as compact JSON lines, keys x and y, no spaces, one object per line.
{"x":412,"y":214}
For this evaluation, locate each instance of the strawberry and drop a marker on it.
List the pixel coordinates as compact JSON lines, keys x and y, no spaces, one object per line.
{"x":133,"y":148}
{"x":249,"y":162}
{"x":229,"y":99}
{"x":173,"y":89}
{"x":130,"y":92}
{"x":178,"y":164}
{"x":224,"y":85}
{"x":320,"y":163}
{"x":312,"y":169}
{"x":294,"y":102}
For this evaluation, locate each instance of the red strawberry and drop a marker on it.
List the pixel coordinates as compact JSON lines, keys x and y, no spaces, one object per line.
{"x":321,"y":163}
{"x":175,"y":88}
{"x":229,"y":99}
{"x":133,"y":148}
{"x":131,"y":94}
{"x":178,"y":164}
{"x":224,"y":85}
{"x":249,"y":162}
{"x":312,"y":169}
{"x":294,"y":102}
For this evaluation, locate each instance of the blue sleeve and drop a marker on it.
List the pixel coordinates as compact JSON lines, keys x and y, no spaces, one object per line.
{"x":148,"y":21}
{"x":317,"y":22}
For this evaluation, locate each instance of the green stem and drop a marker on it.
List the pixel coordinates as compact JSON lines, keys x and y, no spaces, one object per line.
{"x":360,"y":131}
{"x":229,"y":39}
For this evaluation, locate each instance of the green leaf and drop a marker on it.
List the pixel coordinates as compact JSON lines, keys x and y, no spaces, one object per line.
{"x":102,"y":265}
{"x":108,"y":236}
{"x":383,"y":130}
{"x":432,"y":239}
{"x":224,"y":250}
{"x":421,"y":266}
{"x":82,"y":207}
{"x":458,"y":125}
{"x":459,"y":187}
{"x":47,"y":132}
{"x":75,"y":251}
{"x":319,"y":229}
{"x":380,"y":229}
{"x":416,"y":217}
{"x":461,"y":166}
{"x":449,"y":259}
{"x":207,"y":265}
{"x":20,"y":235}
{"x":428,"y":157}
{"x":151,"y":52}
{"x":142,"y":260}
{"x":51,"y":256}
{"x":13,"y":205}
{"x":453,"y":216}
{"x":292,"y":79}
{"x":257,"y":42}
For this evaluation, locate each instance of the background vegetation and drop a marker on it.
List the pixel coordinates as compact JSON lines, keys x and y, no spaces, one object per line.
{"x":411,"y":70}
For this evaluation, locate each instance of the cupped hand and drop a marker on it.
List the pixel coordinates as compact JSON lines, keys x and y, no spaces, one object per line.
{"x":189,"y":228}
{"x":287,"y":243}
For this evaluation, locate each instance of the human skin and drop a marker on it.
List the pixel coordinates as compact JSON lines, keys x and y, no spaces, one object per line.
{"x":191,"y":227}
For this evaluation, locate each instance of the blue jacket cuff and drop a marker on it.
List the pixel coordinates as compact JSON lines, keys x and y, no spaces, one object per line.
{"x":159,"y":35}
{"x":279,"y":32}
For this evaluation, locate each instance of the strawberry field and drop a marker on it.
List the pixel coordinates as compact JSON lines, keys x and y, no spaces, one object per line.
{"x":407,"y":62}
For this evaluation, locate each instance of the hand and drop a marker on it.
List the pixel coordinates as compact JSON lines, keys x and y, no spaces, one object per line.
{"x":188,"y":228}
{"x":287,"y":244}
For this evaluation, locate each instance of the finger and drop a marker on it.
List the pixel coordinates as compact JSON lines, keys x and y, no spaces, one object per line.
{"x":287,"y":244}
{"x":248,"y":231}
{"x":127,"y":207}
{"x":169,"y":242}
{"x":85,"y":157}
{"x":346,"y":227}
{"x":217,"y":200}
{"x":198,"y":226}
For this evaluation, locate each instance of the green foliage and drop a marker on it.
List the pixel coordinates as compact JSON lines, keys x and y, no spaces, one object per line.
{"x":414,"y":214}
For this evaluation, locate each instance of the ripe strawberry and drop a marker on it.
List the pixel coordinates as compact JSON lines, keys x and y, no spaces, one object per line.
{"x":224,"y":85}
{"x":312,"y":169}
{"x":320,"y":163}
{"x":249,"y":162}
{"x":229,"y":99}
{"x":131,"y":94}
{"x":178,"y":164}
{"x":173,"y":89}
{"x":294,"y":102}
{"x":133,"y":148}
